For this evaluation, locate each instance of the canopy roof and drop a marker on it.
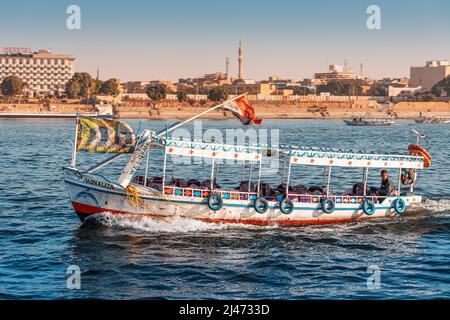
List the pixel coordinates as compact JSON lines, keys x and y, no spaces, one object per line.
{"x":212,"y":150}
{"x":348,"y":158}
{"x":297,"y":155}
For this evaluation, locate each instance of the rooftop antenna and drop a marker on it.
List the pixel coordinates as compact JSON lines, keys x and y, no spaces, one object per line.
{"x":345,"y":65}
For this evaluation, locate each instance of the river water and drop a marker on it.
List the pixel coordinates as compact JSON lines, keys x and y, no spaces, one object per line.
{"x":124,"y":258}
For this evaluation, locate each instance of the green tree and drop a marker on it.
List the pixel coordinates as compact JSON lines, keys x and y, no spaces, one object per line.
{"x":377,"y":89}
{"x":339,"y":88}
{"x":83,"y":82}
{"x":96,"y":86}
{"x":181,"y":96}
{"x":156,"y":92}
{"x":11,"y":86}
{"x":335,"y":88}
{"x":352,"y":88}
{"x":110,"y":87}
{"x":442,"y":86}
{"x":301,"y":91}
{"x":217,"y":94}
{"x":72,"y":89}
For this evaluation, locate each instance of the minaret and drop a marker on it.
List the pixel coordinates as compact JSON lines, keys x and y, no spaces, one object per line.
{"x":241,"y":62}
{"x":227,"y":65}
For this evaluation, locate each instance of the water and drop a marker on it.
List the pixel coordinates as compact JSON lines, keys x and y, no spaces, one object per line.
{"x":123,"y":258}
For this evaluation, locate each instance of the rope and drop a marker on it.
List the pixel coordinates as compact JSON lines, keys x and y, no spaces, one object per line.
{"x":135,"y":201}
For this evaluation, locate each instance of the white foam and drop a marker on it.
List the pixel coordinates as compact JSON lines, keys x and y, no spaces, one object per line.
{"x":171,"y":225}
{"x":440,"y":205}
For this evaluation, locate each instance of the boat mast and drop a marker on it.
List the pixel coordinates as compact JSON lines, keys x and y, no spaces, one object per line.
{"x":199,"y":115}
{"x":74,"y":152}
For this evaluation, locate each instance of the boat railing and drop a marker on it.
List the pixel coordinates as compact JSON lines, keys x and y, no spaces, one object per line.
{"x":205,"y":193}
{"x":339,"y":199}
{"x":244,"y":195}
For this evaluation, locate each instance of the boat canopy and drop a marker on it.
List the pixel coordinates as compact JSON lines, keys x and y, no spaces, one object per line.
{"x":297,"y":155}
{"x":212,"y":150}
{"x":343,"y":158}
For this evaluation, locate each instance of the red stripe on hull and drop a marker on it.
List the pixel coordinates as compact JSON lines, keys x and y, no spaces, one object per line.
{"x":84,"y":210}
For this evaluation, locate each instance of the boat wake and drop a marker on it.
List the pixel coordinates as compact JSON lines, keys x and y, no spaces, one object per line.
{"x":174,"y":225}
{"x":433,"y":205}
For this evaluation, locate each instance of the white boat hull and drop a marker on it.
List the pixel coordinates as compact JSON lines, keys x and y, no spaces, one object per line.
{"x":92,"y":194}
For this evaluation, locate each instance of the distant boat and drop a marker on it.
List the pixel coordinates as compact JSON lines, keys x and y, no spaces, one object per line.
{"x":433,"y":119}
{"x":368,"y":120}
{"x":104,"y":111}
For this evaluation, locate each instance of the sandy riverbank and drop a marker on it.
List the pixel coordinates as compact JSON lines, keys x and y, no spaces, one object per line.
{"x":287,"y":110}
{"x":264,"y":110}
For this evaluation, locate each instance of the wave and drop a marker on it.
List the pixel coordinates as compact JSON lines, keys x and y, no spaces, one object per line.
{"x":148,"y":224}
{"x":434,"y":205}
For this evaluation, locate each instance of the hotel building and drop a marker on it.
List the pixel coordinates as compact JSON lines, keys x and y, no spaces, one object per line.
{"x":42,"y":72}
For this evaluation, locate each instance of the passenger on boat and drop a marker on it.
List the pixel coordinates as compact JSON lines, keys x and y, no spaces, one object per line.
{"x":387,"y":186}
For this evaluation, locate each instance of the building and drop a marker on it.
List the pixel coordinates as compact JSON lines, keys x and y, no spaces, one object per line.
{"x":427,"y":76}
{"x":395,"y":91}
{"x":203,"y":84}
{"x":335,"y":73}
{"x":43,"y":72}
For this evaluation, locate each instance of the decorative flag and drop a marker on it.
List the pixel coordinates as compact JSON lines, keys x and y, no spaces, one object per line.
{"x":242,"y":109}
{"x":105,"y":136}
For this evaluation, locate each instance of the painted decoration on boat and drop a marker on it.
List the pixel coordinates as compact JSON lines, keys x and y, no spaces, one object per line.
{"x":104,"y":136}
{"x":331,"y":158}
{"x":213,"y":151}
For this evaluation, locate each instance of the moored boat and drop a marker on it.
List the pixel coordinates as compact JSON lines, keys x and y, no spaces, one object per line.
{"x":252,"y":201}
{"x":368,"y":120}
{"x":433,"y":119}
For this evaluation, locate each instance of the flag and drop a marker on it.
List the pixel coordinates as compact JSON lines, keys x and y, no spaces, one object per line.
{"x":105,"y":136}
{"x":242,"y":109}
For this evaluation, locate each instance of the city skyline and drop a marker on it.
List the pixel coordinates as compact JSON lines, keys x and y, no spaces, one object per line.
{"x":141,"y":40}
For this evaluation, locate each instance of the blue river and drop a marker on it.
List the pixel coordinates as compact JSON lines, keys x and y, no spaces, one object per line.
{"x":42,"y":239}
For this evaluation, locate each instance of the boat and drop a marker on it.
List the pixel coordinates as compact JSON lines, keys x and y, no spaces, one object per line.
{"x":252,"y":201}
{"x":368,"y":120}
{"x":433,"y":119}
{"x":104,"y":111}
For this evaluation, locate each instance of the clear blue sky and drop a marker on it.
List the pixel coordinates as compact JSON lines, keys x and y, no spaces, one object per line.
{"x":145,"y":40}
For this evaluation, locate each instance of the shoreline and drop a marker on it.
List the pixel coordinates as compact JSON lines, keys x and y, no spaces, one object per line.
{"x":267,"y":110}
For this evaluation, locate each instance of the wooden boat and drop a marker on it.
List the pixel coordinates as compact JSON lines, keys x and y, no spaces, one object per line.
{"x":368,"y":120}
{"x":433,"y":119}
{"x":251,"y":201}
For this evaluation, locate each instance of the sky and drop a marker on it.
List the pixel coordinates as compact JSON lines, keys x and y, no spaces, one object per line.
{"x":148,"y":40}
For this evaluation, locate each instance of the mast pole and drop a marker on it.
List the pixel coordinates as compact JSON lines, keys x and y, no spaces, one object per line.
{"x":146,"y":168}
{"x":74,"y":151}
{"x":259,"y":178}
{"x":199,"y":115}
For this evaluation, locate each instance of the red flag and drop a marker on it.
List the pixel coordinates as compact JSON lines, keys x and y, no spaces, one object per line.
{"x":243,"y":110}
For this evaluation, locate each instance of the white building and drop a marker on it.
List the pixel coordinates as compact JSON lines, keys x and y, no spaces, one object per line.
{"x":42,"y":72}
{"x":395,"y":91}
